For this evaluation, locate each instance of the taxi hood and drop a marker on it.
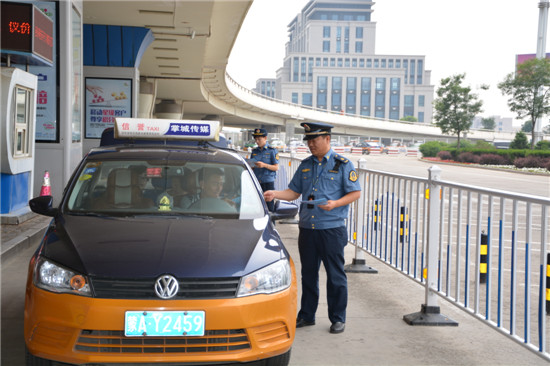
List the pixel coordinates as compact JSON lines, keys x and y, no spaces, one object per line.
{"x":148,"y":247}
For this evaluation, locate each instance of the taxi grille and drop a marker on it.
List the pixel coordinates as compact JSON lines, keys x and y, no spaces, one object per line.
{"x":113,"y":341}
{"x":189,"y":288}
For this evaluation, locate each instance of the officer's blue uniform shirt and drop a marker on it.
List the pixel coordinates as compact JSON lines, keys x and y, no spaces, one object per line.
{"x":324,"y":181}
{"x":268,"y":155}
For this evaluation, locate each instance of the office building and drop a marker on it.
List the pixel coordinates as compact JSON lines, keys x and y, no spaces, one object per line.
{"x":330,"y":63}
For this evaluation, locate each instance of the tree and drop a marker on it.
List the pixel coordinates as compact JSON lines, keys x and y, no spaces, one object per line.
{"x":455,"y":106}
{"x":527,"y":127}
{"x":488,"y":123}
{"x":528,"y":90}
{"x":409,"y":119}
{"x":520,"y":141}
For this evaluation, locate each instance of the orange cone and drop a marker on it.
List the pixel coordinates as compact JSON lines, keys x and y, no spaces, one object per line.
{"x":46,"y":189}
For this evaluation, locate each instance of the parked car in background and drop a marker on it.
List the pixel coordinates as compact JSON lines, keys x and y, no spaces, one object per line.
{"x":278,"y":144}
{"x":250,"y":143}
{"x":369,"y":147}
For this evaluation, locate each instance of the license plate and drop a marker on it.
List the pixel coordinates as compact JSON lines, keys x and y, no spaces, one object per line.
{"x":163,"y":323}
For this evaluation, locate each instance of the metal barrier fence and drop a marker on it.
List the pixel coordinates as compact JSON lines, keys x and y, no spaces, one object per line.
{"x":481,"y":249}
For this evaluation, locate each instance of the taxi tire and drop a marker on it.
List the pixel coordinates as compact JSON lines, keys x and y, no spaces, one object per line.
{"x":32,"y":360}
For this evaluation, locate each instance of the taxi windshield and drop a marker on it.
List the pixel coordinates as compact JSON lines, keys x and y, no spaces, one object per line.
{"x":140,"y":187}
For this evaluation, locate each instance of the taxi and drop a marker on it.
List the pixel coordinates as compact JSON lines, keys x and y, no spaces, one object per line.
{"x":161,"y":252}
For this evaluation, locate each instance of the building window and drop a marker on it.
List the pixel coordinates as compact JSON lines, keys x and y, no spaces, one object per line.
{"x":421,"y":101}
{"x":365,"y":96}
{"x":380,"y":98}
{"x":408,"y":109}
{"x":325,"y":61}
{"x":326,"y":32}
{"x":295,"y":98}
{"x":383,"y":63}
{"x":420,"y":72}
{"x":21,"y":107}
{"x":421,"y":117}
{"x":322,"y":82}
{"x":397,"y":64}
{"x":406,"y":67}
{"x":340,"y":62}
{"x":390,"y":63}
{"x":310,"y":70}
{"x":336,"y":97}
{"x":346,"y":40}
{"x":395,"y":94}
{"x":307,"y":99}
{"x":353,"y":62}
{"x":346,"y":62}
{"x":369,"y":62}
{"x":295,"y":68}
{"x":332,"y":62}
{"x":359,"y":47}
{"x":338,"y":39}
{"x":359,"y":32}
{"x":413,"y":65}
{"x":326,"y":46}
{"x":351,"y":95}
{"x":318,"y":61}
{"x":303,"y":70}
{"x":361,"y":62}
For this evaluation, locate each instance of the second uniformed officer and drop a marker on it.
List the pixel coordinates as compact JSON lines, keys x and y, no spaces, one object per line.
{"x":266,"y":164}
{"x":327,"y":183}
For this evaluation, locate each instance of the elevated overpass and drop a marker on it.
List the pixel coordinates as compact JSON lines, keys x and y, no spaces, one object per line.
{"x":188,"y":58}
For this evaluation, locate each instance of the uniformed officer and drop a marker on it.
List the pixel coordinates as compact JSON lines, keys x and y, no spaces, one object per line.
{"x":327,"y":183}
{"x":266,"y":162}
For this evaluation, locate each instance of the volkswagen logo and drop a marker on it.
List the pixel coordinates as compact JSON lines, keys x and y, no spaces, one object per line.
{"x":166,"y":287}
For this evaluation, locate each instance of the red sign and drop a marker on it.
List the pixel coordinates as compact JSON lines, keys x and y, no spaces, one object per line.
{"x":24,"y":28}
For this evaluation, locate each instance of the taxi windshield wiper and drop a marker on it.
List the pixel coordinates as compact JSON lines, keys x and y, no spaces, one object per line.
{"x":87,"y":213}
{"x":173,"y":214}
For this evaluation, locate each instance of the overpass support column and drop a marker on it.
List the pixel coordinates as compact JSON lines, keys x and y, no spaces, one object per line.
{"x":290,"y":126}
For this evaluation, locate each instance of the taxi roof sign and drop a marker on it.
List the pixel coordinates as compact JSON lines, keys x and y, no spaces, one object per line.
{"x":145,"y":128}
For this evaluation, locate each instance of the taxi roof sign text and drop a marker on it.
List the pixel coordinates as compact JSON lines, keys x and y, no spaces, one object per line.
{"x":164,"y":129}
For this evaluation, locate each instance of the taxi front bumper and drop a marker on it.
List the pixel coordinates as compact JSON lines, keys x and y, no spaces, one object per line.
{"x":80,"y":330}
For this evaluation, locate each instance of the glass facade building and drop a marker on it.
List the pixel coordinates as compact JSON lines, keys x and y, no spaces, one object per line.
{"x":331,"y":64}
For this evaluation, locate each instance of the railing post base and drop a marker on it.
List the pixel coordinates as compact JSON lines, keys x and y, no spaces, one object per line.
{"x":359,"y":266}
{"x":429,"y":315}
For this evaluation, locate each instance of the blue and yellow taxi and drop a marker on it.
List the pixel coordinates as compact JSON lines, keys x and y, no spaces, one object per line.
{"x":161,"y":252}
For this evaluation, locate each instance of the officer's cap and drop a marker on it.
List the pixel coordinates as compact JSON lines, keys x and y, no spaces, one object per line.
{"x":259,"y":132}
{"x":312,"y":130}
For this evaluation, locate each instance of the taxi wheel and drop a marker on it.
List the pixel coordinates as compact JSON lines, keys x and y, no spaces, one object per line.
{"x":281,"y":360}
{"x":31,"y":360}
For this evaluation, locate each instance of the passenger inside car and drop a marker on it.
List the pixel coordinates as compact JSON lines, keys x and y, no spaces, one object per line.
{"x":211,"y":181}
{"x":123,"y":191}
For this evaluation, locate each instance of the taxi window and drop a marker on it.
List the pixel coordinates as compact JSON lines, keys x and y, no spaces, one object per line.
{"x":153,"y":188}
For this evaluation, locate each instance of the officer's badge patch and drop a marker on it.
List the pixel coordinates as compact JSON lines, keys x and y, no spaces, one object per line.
{"x":305,"y":170}
{"x":353,"y":176}
{"x":277,"y":156}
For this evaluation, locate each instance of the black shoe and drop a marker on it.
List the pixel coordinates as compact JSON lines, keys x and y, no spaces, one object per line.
{"x":337,"y":327}
{"x":300,"y":323}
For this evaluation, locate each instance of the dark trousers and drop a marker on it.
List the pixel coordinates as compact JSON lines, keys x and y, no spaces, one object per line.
{"x":325,"y":246}
{"x":269,"y":186}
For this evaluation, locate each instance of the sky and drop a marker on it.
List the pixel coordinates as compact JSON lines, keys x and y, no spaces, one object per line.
{"x":480,"y":38}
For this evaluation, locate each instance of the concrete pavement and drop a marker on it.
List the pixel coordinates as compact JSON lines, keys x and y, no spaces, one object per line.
{"x":375,"y":331}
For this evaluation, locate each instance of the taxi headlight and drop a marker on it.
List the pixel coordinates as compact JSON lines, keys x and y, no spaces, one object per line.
{"x":273,"y":278}
{"x":52,"y":277}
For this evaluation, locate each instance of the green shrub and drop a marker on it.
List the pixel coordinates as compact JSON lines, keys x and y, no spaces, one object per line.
{"x":543,"y":145}
{"x":430,"y":149}
{"x":520,"y":141}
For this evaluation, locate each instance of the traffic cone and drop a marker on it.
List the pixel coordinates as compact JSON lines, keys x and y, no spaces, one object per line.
{"x":46,"y":189}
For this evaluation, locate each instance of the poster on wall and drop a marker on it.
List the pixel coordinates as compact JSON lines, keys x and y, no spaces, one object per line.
{"x":106,"y":99}
{"x":46,"y":93}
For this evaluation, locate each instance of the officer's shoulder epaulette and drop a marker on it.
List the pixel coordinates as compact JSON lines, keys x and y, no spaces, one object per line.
{"x":341,"y":158}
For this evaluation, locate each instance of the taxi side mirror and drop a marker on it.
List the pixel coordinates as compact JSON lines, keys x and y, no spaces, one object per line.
{"x":43,"y":205}
{"x":284,"y":210}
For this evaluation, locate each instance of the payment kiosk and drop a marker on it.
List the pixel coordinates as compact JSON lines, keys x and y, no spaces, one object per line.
{"x":17,"y":147}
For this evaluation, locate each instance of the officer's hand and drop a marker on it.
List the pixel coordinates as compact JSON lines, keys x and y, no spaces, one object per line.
{"x":260,"y":164}
{"x":328,"y":206}
{"x":269,"y":196}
